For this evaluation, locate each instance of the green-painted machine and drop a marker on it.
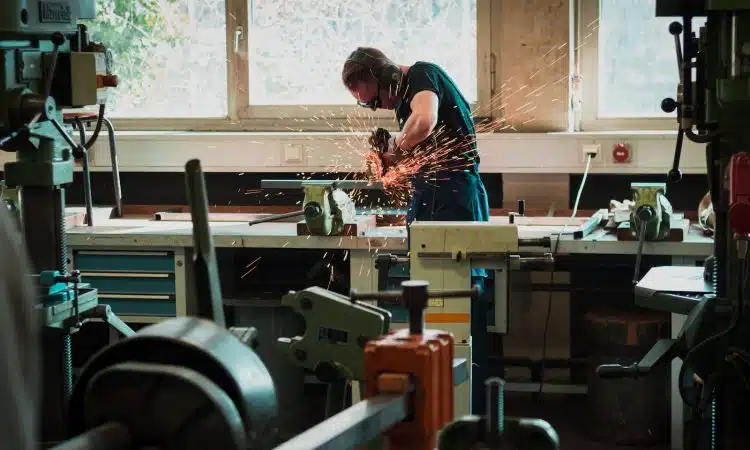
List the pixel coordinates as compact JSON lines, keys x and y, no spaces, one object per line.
{"x":48,"y":63}
{"x":336,"y":332}
{"x":712,"y":106}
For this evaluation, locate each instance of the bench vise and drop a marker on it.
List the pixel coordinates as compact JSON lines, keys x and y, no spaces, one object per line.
{"x":650,"y":218}
{"x":336,"y":332}
{"x":326,"y":207}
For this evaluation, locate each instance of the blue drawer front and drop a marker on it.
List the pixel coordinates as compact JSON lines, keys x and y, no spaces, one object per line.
{"x":135,"y":261}
{"x":127,"y":285}
{"x":399,"y":271}
{"x":141,"y":307}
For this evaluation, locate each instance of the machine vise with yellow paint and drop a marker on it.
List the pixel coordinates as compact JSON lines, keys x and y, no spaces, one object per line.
{"x":327,"y":209}
{"x":650,"y":217}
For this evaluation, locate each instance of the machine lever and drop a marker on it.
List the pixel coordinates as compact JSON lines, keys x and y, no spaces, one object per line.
{"x":662,"y":351}
{"x":414,"y":297}
{"x":675,"y":29}
{"x":675,"y":175}
{"x":208,"y":289}
{"x":104,"y":312}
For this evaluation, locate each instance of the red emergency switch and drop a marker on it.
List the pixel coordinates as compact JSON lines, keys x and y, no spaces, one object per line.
{"x":621,"y":154}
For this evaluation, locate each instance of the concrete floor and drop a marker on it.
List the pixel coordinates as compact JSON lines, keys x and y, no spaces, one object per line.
{"x":568,"y":415}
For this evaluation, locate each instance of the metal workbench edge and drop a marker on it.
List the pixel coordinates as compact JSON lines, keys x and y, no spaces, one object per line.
{"x":382,"y":239}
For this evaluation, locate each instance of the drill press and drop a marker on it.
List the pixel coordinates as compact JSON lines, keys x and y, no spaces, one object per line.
{"x":49,"y":64}
{"x":713,"y":108}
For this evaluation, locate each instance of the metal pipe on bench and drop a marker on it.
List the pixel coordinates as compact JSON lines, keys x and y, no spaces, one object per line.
{"x":338,"y":184}
{"x":275,"y":217}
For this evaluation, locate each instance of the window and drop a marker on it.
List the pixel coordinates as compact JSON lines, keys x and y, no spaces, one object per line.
{"x":275,"y":64}
{"x":627,"y":63}
{"x":170,"y":57}
{"x":297,"y":47}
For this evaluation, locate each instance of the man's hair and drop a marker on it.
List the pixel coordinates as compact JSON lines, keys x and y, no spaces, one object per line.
{"x":364,"y":65}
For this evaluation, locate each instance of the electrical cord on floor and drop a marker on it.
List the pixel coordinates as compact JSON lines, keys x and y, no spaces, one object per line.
{"x":556,"y":247}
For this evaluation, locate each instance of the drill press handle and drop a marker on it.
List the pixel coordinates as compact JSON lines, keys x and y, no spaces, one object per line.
{"x":662,"y":352}
{"x":413,"y":296}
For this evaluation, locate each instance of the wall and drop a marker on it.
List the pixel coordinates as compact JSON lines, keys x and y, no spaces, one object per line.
{"x":507,"y":153}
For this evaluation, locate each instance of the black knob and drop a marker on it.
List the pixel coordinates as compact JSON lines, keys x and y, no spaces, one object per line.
{"x":313,"y":209}
{"x":415,"y":297}
{"x":674,"y":175}
{"x":645,"y":213}
{"x":675,"y":28}
{"x":668,"y":105}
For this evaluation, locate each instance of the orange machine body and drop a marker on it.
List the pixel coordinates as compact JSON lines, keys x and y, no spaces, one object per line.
{"x":427,"y":359}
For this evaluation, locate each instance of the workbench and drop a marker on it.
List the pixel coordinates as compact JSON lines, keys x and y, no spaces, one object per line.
{"x":147,"y":258}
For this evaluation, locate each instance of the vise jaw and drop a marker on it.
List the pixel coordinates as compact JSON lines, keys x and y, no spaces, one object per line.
{"x":327,"y":209}
{"x":336,"y":332}
{"x":652,"y":213}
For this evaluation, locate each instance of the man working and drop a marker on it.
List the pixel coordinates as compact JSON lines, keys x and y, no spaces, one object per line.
{"x":437,"y":135}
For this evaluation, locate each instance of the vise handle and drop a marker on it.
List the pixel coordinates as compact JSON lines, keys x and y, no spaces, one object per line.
{"x":413,"y":296}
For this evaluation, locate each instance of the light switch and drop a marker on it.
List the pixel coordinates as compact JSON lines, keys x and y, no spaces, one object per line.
{"x":294,"y":153}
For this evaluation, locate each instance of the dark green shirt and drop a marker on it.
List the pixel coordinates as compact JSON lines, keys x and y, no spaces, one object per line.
{"x":455,"y":127}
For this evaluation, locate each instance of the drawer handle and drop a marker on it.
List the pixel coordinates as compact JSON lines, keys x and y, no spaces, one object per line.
{"x":135,"y":296}
{"x":106,"y":253}
{"x":124,"y":275}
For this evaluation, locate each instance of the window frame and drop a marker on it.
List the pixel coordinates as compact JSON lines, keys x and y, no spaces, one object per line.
{"x":291,"y":118}
{"x":587,"y":62}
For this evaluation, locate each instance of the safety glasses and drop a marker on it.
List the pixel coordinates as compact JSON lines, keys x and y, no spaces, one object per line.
{"x":374,"y":103}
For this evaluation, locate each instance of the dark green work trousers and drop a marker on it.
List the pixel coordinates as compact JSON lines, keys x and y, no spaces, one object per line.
{"x":459,"y":196}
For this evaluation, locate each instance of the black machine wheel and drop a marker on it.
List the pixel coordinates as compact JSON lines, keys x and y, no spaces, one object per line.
{"x":168,"y":407}
{"x":175,"y":372}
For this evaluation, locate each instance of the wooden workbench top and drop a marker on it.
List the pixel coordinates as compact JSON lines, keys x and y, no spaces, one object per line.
{"x":146,"y":232}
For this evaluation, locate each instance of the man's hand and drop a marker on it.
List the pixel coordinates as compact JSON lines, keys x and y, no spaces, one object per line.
{"x":380,"y":140}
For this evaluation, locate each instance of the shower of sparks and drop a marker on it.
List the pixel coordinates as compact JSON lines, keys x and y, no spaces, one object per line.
{"x":518,"y":100}
{"x":251,"y":266}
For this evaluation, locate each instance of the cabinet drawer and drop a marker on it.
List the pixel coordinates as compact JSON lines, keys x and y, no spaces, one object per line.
{"x":101,"y":260}
{"x":140,"y":305}
{"x":130,"y":282}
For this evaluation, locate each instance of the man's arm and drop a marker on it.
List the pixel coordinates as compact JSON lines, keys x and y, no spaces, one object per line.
{"x":423,"y":119}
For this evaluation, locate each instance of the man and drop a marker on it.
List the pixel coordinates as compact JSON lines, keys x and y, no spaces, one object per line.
{"x":437,"y":135}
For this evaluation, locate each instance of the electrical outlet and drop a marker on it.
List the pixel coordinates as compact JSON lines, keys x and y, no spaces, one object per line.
{"x":590,"y":149}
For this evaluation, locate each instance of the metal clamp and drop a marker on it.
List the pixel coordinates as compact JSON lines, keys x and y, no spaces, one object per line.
{"x":413,"y":296}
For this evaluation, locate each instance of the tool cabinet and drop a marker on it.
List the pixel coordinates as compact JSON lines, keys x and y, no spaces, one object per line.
{"x":140,"y":286}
